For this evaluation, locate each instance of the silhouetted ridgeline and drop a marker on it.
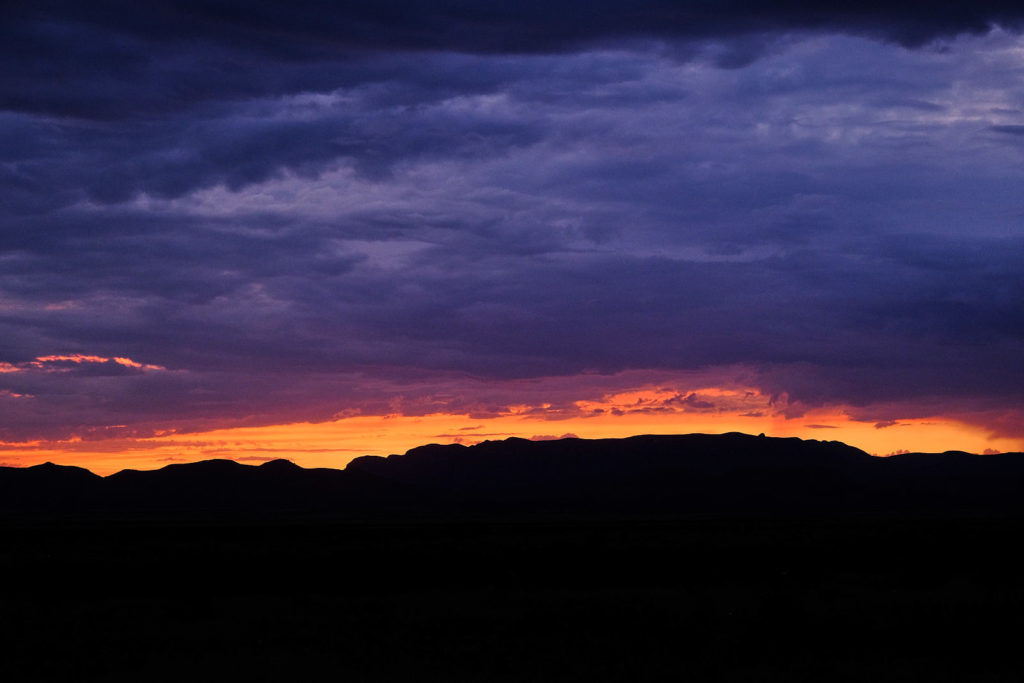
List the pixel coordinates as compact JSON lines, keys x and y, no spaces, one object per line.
{"x":641,"y":475}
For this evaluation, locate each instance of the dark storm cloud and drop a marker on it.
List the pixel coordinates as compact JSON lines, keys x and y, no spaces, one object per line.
{"x":109,"y":60}
{"x":296,"y":211}
{"x":236,"y":146}
{"x":183,"y":96}
{"x":301,"y":28}
{"x":1012,"y":129}
{"x":271,"y":340}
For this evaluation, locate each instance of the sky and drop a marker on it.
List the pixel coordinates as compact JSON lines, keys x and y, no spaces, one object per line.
{"x":317,"y":230}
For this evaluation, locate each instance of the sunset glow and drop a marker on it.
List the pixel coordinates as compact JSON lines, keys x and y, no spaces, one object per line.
{"x":341,"y":230}
{"x":334,"y":443}
{"x":555,"y":340}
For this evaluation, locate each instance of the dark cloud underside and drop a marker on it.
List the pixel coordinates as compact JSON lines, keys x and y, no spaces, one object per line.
{"x":297,"y":209}
{"x":102,"y":59}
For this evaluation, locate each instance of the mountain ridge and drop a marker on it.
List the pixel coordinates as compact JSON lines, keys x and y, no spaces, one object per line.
{"x":730,"y":473}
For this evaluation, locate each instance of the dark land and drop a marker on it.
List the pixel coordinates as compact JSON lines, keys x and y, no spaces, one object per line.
{"x":717,"y":558}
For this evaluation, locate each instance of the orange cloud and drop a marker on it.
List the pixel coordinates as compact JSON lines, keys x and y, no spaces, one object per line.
{"x":54,"y":362}
{"x":7,"y":393}
{"x":79,"y":358}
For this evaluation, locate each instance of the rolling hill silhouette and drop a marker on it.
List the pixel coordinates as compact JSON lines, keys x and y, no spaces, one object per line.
{"x":711,"y":557}
{"x":642,"y":475}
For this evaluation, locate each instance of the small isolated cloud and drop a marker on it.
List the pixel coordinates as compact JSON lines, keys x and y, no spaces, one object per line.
{"x":821,"y":426}
{"x":478,"y":434}
{"x":82,"y":365}
{"x":990,"y":451}
{"x":886,"y":424}
{"x":1009,"y":129}
{"x":552,"y":437}
{"x":692,"y":403}
{"x":6,"y":393}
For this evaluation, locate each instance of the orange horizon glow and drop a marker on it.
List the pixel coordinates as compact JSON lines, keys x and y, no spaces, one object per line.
{"x":334,"y":443}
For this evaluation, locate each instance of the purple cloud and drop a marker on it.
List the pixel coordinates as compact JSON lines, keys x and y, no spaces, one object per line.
{"x":429,"y":217}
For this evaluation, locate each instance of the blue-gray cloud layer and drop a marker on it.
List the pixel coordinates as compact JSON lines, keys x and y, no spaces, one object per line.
{"x":299,"y":211}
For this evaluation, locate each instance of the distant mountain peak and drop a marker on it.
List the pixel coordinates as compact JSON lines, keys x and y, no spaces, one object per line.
{"x":645,"y":474}
{"x":279,"y":464}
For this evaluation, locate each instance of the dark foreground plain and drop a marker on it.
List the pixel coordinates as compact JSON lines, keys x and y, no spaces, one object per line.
{"x":506,"y":564}
{"x":515,"y":600}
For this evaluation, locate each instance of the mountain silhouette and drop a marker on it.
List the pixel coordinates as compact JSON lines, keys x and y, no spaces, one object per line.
{"x":641,"y":475}
{"x":717,"y":557}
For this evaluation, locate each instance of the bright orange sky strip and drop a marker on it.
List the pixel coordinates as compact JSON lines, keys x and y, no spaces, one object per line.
{"x":335,"y":443}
